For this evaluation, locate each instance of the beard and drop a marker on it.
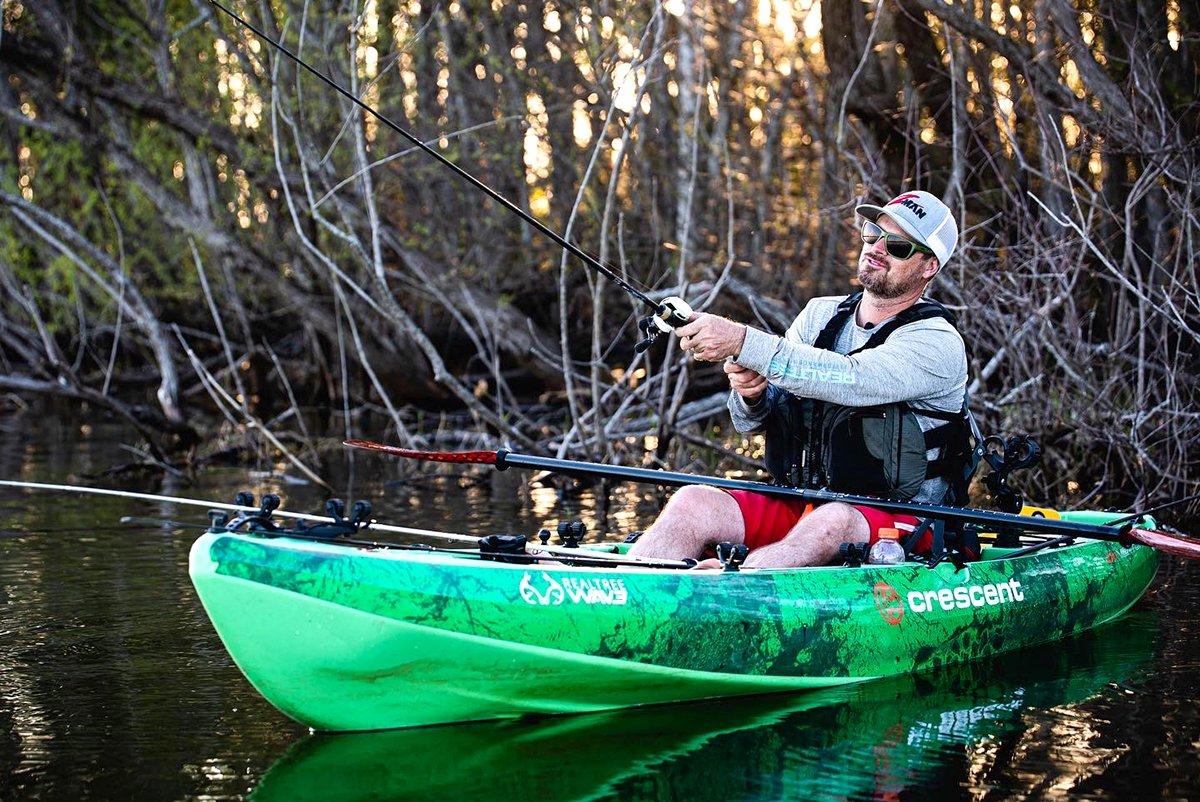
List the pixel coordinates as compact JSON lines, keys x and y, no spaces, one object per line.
{"x":885,"y":283}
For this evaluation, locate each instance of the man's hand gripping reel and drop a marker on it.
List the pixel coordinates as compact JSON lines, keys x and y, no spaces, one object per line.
{"x":672,"y":313}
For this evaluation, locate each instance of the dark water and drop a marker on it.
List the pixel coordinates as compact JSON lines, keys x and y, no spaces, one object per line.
{"x":113,"y":684}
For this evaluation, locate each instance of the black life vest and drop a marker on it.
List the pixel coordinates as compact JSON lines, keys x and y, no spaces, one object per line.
{"x":877,"y":450}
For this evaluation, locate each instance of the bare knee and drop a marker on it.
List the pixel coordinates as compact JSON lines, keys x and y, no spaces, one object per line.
{"x":815,"y":539}
{"x":834,"y":520}
{"x":695,"y":516}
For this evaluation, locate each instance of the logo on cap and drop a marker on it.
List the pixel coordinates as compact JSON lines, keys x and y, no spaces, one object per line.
{"x":907,"y":200}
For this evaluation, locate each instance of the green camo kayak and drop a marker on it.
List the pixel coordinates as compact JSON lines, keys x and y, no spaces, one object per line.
{"x":345,"y":638}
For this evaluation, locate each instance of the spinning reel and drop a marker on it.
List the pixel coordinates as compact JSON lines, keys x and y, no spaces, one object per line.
{"x":1006,"y":456}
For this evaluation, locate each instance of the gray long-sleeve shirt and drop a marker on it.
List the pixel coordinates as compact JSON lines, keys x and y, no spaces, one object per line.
{"x":923,"y":363}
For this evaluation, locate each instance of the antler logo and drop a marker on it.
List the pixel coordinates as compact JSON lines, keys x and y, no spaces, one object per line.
{"x":551,"y":594}
{"x":545,"y":590}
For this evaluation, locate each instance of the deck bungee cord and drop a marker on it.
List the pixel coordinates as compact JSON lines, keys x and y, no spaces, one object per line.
{"x":667,"y":314}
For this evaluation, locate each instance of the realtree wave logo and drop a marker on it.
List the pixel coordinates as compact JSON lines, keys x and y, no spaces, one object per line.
{"x":547,"y":591}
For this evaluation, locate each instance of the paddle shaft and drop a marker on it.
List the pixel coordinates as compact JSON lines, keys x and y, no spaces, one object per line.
{"x":677,"y":479}
{"x":503,"y":459}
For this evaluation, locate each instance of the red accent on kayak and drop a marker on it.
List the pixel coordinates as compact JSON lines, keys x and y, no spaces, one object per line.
{"x":887,"y":601}
{"x":471,"y":457}
{"x":1165,"y":541}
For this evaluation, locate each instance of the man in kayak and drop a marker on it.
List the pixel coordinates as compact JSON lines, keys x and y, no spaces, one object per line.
{"x":837,"y":396}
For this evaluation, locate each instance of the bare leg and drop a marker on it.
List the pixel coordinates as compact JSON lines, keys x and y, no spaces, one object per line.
{"x":693,"y":518}
{"x":815,"y":539}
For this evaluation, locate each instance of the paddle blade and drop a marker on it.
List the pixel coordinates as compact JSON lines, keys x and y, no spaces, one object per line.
{"x":467,"y":457}
{"x":1165,"y":541}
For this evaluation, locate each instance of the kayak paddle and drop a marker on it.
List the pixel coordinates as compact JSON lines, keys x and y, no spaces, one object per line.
{"x":1126,"y":535}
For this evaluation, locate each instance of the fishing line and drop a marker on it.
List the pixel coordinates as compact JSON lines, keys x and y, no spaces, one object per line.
{"x":668,"y":314}
{"x":1150,"y":511}
{"x":302,"y":516}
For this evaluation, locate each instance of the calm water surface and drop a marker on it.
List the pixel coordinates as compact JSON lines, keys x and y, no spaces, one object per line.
{"x":113,"y":684}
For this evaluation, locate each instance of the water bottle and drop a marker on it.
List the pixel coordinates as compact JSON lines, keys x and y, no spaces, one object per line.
{"x":887,"y":550}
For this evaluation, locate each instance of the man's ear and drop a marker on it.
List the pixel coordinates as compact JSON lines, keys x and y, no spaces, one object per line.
{"x":931,"y":267}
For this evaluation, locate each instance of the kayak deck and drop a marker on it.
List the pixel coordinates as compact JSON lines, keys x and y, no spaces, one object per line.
{"x":341,"y":638}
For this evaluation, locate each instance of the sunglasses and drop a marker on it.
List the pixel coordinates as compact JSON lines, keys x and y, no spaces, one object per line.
{"x":898,"y":247}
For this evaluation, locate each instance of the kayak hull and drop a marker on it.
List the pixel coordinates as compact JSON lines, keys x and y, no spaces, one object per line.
{"x":341,"y":638}
{"x":336,"y":668}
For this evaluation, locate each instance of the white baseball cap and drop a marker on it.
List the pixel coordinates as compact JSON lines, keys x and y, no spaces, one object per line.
{"x":923,"y":217}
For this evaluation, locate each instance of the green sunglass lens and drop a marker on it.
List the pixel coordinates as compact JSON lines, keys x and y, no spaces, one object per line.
{"x":897,"y":246}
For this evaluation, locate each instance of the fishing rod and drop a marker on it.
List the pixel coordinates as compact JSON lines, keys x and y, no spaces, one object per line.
{"x":199,"y":502}
{"x":318,"y":519}
{"x":1152,"y":510}
{"x":576,"y":558}
{"x":1126,"y":535}
{"x":668,"y":314}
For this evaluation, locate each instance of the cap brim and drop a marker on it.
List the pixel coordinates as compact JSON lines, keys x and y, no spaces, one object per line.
{"x":868,"y":211}
{"x":872,"y":213}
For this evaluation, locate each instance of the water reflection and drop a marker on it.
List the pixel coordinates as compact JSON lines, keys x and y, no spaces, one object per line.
{"x":945,"y":732}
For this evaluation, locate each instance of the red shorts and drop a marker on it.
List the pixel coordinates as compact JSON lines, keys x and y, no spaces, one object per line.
{"x":768,"y":519}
